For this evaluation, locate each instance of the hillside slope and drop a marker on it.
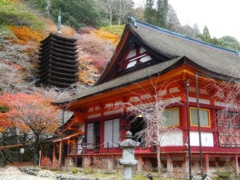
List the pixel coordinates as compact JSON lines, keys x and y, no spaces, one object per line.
{"x":20,"y":33}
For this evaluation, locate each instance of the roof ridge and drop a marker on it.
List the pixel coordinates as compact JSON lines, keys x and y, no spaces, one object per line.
{"x":136,"y":22}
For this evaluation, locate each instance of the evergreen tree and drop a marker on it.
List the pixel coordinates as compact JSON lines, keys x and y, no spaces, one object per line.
{"x":205,"y":36}
{"x":76,"y":13}
{"x":149,"y":12}
{"x":162,"y":11}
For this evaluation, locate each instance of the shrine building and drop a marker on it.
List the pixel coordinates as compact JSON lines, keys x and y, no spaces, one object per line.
{"x":151,"y":66}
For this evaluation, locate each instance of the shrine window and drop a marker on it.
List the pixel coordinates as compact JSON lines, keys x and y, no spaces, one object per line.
{"x":93,"y":136}
{"x":204,"y":117}
{"x":111,"y":133}
{"x":172,"y":117}
{"x":228,"y":124}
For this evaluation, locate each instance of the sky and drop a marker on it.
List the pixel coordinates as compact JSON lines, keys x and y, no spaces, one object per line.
{"x":220,"y":16}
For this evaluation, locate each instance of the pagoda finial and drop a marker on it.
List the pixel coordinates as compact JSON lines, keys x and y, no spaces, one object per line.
{"x":59,"y":22}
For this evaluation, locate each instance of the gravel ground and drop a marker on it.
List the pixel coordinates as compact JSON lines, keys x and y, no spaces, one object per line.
{"x":13,"y":173}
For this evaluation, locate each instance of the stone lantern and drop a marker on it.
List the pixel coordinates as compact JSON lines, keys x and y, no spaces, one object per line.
{"x":128,"y":159}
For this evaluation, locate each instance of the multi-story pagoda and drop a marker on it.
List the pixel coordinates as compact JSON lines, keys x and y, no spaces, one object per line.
{"x":58,"y":64}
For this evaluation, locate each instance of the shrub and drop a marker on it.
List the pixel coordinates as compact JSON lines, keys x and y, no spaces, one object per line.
{"x":87,"y":165}
{"x":55,"y":164}
{"x":114,"y":29}
{"x":107,"y":36}
{"x":46,"y":163}
{"x":24,"y":34}
{"x":69,"y":163}
{"x":6,"y":33}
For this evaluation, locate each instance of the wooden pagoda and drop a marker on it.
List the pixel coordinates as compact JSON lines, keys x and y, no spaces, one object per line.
{"x":57,"y":64}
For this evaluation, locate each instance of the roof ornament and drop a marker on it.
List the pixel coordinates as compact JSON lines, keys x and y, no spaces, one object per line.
{"x":132,"y":21}
{"x":59,"y":22}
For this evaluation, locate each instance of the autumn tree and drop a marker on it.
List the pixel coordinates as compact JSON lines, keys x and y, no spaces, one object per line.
{"x":152,"y":105}
{"x":189,"y":31}
{"x":107,"y":8}
{"x":115,"y":10}
{"x":172,"y":20}
{"x":123,"y":9}
{"x":30,"y":113}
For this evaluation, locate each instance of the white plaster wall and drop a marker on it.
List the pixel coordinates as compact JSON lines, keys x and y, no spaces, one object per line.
{"x":206,"y":137}
{"x":172,"y":138}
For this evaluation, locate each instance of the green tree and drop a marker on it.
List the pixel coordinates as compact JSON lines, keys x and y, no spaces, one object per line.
{"x":205,"y":36}
{"x":161,"y":14}
{"x":229,"y":42}
{"x":76,"y":13}
{"x":149,"y":12}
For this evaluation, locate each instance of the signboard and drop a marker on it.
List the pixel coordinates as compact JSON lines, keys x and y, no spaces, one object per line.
{"x":21,"y":150}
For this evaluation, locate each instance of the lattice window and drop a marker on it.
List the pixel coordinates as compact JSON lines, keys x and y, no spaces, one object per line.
{"x":228,"y":124}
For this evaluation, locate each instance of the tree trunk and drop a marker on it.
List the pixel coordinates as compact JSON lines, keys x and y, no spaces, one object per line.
{"x":36,"y":148}
{"x":159,"y":160}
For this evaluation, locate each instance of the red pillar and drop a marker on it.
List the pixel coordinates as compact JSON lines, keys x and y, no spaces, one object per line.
{"x":206,"y":163}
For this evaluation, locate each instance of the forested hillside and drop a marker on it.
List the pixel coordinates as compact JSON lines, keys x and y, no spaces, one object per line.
{"x":21,"y":31}
{"x":24,"y":23}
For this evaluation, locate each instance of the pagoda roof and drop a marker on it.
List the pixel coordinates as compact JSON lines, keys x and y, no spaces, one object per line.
{"x":55,"y":45}
{"x":57,"y":37}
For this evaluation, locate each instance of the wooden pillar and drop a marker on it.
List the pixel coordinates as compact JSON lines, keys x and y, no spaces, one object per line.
{"x":54,"y":151}
{"x":68,"y":148}
{"x":206,"y":163}
{"x":101,"y":147}
{"x":60,"y":153}
{"x":236,"y":164}
{"x":76,"y":151}
{"x":169,"y":164}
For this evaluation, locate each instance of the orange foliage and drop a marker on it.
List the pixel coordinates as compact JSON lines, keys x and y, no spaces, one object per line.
{"x":4,"y":124}
{"x":51,"y":27}
{"x":25,"y":34}
{"x":107,"y":36}
{"x":30,"y":112}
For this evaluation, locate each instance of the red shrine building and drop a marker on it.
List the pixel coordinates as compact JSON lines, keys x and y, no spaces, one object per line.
{"x":192,"y":72}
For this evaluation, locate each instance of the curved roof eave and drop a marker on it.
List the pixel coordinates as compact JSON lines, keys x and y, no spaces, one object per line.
{"x":141,"y":75}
